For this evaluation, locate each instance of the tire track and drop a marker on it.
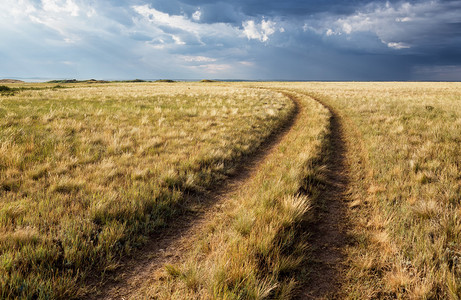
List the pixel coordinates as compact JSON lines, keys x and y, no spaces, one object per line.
{"x":170,"y":243}
{"x":327,"y":233}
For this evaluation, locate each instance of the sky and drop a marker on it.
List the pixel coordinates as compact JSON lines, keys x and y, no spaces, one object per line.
{"x":239,"y":39}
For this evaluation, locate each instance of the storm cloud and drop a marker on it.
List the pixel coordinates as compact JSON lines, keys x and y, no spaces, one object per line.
{"x":185,"y":39}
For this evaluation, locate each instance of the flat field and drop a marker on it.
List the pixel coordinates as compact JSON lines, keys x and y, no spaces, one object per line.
{"x":407,"y":206}
{"x":352,"y":190}
{"x":88,"y":170}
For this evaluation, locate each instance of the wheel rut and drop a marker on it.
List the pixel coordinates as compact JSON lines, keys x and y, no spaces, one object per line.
{"x":170,"y":243}
{"x":327,"y":232}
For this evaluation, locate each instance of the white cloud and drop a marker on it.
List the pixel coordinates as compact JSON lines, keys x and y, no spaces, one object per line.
{"x":212,"y":68}
{"x":346,"y":27}
{"x":197,"y":58}
{"x":69,"y":20}
{"x":405,"y":24}
{"x":268,"y":27}
{"x":15,"y":11}
{"x":161,"y":18}
{"x":314,"y":26}
{"x":60,"y":6}
{"x":155,"y":23}
{"x":398,"y":45}
{"x":177,"y":40}
{"x":197,"y":15}
{"x":260,"y":31}
{"x":403,"y":20}
{"x":247,"y":63}
{"x":250,"y":30}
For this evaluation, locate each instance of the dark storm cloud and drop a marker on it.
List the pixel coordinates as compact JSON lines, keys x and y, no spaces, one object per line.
{"x":285,"y":8}
{"x":247,"y":39}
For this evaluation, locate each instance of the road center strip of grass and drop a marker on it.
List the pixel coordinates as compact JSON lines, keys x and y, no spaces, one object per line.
{"x":250,"y":249}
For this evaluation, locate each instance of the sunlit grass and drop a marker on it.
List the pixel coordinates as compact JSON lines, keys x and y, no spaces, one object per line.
{"x":408,"y":217}
{"x":88,"y":170}
{"x":252,"y":248}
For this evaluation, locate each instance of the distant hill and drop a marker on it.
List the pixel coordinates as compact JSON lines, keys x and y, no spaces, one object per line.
{"x":11,"y":81}
{"x":208,"y":80}
{"x":165,"y":80}
{"x":77,"y":81}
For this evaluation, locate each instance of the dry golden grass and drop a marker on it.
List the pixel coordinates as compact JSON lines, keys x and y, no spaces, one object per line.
{"x":88,"y":170}
{"x":250,"y":250}
{"x":407,"y":186}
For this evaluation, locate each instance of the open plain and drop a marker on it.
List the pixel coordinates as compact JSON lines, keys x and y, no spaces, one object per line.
{"x":215,"y":190}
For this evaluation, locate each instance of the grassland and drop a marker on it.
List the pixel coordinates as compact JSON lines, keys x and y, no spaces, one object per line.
{"x":87,"y":171}
{"x":406,"y":192}
{"x":251,"y":248}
